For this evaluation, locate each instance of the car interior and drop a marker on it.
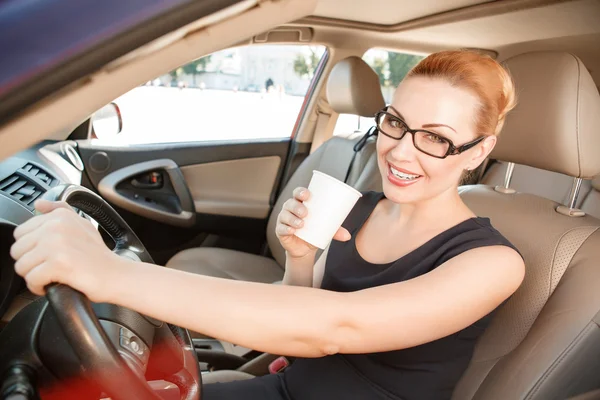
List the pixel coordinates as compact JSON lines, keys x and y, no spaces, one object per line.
{"x":210,"y":206}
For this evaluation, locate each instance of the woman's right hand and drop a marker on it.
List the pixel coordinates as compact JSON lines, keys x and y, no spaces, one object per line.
{"x":291,"y":218}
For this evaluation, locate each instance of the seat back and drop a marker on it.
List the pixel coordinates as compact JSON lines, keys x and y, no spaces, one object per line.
{"x":548,"y":184}
{"x":352,"y":88}
{"x":544,"y":342}
{"x":591,"y":201}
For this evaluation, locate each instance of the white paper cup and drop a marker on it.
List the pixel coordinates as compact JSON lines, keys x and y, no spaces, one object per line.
{"x":329,"y":204}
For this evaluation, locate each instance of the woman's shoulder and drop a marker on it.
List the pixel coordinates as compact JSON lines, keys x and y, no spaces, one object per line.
{"x":478,"y":232}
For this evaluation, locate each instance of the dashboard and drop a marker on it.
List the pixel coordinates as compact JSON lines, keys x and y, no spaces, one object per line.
{"x":23,"y":179}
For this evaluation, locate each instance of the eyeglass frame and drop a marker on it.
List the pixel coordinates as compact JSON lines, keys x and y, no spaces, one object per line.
{"x":452,"y":149}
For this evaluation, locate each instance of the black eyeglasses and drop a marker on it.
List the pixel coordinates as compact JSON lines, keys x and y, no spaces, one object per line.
{"x":427,"y":142}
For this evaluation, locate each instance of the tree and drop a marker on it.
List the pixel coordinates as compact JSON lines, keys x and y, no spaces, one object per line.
{"x":196,"y":66}
{"x":175,"y":73}
{"x":314,"y":61}
{"x":203,"y":62}
{"x":301,"y":66}
{"x":380,"y":66}
{"x":393,"y":67}
{"x":305,"y":66}
{"x":399,"y":65}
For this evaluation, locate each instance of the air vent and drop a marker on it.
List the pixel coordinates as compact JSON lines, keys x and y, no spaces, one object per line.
{"x":21,"y":189}
{"x":28,"y":183}
{"x":40,"y":174}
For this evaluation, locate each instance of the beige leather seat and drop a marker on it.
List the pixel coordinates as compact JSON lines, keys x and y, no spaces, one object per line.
{"x":544,"y":343}
{"x":591,"y":200}
{"x":551,"y":185}
{"x":548,"y":184}
{"x":352,"y":88}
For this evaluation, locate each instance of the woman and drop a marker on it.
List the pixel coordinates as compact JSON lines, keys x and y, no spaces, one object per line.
{"x":412,"y":278}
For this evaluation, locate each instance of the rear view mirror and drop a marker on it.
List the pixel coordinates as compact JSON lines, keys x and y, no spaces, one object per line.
{"x":107,"y":122}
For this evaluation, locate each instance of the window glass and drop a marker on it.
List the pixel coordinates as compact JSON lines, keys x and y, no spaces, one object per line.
{"x":243,"y":93}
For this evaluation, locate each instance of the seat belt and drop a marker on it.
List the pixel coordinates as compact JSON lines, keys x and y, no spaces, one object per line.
{"x":358,"y":147}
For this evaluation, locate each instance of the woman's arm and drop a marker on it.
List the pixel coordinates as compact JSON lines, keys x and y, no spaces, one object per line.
{"x":304,"y":271}
{"x":300,"y":321}
{"x":309,"y":322}
{"x":299,"y":270}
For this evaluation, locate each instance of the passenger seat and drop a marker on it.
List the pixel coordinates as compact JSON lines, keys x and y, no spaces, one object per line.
{"x":352,"y":88}
{"x":525,"y":179}
{"x":591,"y":201}
{"x":544,"y":342}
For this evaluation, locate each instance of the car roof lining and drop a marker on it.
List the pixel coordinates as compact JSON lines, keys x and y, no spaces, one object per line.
{"x":456,"y":28}
{"x":477,"y":9}
{"x":511,"y":32}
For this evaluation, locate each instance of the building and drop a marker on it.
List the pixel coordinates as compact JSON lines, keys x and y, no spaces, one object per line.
{"x":248,"y":68}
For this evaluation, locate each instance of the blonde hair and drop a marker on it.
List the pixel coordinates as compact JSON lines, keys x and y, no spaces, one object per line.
{"x":481,"y":75}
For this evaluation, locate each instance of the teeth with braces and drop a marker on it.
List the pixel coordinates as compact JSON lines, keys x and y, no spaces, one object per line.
{"x":402,"y":175}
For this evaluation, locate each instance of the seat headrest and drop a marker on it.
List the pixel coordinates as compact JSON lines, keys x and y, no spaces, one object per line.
{"x":353,"y":88}
{"x":556,"y":123}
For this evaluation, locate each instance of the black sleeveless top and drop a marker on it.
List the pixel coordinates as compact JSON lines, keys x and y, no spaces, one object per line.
{"x":428,"y":371}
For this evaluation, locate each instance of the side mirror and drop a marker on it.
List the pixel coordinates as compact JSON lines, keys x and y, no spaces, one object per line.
{"x":107,"y":122}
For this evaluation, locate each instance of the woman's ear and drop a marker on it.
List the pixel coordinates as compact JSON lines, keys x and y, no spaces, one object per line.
{"x":482,"y":151}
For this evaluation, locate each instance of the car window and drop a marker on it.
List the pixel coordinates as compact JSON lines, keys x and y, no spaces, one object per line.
{"x":242,"y":93}
{"x":391,"y":67}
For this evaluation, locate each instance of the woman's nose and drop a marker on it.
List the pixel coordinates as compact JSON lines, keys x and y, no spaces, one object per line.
{"x":404,"y":148}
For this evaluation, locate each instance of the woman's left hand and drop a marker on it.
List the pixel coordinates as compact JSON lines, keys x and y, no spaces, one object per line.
{"x":60,"y":246}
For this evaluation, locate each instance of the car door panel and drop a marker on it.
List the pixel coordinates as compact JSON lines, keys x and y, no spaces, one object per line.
{"x":227,"y":187}
{"x":232,"y":188}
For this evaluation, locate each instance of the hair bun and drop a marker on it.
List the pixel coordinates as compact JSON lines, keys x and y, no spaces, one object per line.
{"x":480,"y":74}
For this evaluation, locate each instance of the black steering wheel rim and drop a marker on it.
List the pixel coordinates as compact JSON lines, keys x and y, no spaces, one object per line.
{"x":99,"y":359}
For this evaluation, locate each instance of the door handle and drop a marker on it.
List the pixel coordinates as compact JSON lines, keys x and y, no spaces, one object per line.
{"x":150,"y":180}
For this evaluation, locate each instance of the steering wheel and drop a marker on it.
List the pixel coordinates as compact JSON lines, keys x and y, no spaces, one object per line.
{"x":95,"y":346}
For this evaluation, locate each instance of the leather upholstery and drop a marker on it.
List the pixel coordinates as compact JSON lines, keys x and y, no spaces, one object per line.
{"x":230,"y":264}
{"x":551,"y":185}
{"x":353,"y":88}
{"x":225,"y":376}
{"x":554,"y":123}
{"x":521,"y":354}
{"x":591,"y":199}
{"x":548,"y":184}
{"x":593,"y":395}
{"x":544,"y":342}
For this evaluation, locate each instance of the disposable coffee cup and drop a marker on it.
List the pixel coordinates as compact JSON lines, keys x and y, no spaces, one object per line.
{"x":329,"y":204}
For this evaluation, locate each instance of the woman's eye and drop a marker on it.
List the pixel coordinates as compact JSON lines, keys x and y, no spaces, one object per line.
{"x":434,"y":138}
